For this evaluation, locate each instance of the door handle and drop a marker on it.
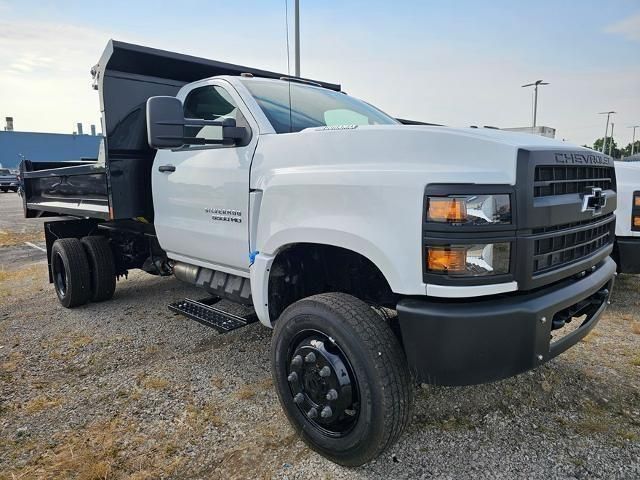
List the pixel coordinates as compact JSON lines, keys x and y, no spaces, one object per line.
{"x":166,"y":168}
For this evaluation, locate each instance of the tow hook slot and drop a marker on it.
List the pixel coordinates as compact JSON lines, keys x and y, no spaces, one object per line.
{"x":583,"y":307}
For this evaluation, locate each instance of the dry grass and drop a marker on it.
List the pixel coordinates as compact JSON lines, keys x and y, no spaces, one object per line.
{"x":249,"y":391}
{"x":635,"y":328}
{"x":217,"y":382}
{"x":154,"y":383}
{"x":591,"y":336}
{"x":635,"y":361}
{"x":11,"y":364}
{"x":20,"y":274}
{"x":104,"y":450}
{"x":246,"y":392}
{"x":21,"y":280}
{"x":41,"y":403}
{"x":198,"y":417}
{"x":9,"y":239}
{"x":587,"y":426}
{"x":69,"y":347}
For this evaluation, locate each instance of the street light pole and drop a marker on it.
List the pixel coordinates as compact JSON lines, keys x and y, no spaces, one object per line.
{"x":535,"y":97}
{"x":606,"y":129}
{"x":611,"y":142}
{"x":633,"y":141}
{"x":297,"y":37}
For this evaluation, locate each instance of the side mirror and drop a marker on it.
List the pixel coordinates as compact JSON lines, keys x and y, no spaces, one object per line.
{"x":166,"y":122}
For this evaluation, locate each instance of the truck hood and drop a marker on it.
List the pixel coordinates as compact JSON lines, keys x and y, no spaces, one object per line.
{"x":427,"y":153}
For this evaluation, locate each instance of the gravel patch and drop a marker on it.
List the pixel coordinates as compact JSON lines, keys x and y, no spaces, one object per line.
{"x":127,"y":389}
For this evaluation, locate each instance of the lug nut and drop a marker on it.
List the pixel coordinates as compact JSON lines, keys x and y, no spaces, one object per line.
{"x":313,"y":413}
{"x":298,"y":398}
{"x":325,"y":371}
{"x":310,"y":358}
{"x":293,"y":376}
{"x":296,"y":361}
{"x":332,"y":395}
{"x":326,"y":412}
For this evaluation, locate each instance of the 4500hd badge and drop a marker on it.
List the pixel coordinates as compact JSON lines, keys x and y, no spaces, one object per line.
{"x":224,"y":214}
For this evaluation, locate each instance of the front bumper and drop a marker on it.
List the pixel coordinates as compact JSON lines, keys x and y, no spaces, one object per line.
{"x":450,"y":342}
{"x":628,"y":254}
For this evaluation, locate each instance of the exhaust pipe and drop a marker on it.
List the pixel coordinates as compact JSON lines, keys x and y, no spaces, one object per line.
{"x":185,"y":272}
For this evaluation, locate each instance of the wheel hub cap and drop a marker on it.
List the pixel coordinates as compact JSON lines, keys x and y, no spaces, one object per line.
{"x":322,"y":384}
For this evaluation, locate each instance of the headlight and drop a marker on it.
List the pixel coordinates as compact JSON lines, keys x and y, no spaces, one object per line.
{"x":469,"y":260}
{"x":470,"y":209}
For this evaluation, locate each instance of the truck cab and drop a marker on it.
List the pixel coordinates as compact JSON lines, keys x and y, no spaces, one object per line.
{"x":381,"y":253}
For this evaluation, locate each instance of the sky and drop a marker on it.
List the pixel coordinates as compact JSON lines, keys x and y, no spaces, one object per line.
{"x":457,"y":63}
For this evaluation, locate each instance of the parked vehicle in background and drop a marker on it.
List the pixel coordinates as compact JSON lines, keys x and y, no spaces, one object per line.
{"x":380,"y":253}
{"x":8,"y":180}
{"x":626,"y":251}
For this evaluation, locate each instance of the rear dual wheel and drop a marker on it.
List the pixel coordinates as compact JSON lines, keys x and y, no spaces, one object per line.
{"x":101,"y":266}
{"x":341,"y":377}
{"x":70,"y":272}
{"x":82,"y":270}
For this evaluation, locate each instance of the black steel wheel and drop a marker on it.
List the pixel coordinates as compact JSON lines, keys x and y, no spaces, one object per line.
{"x":101,"y":266}
{"x":341,"y":377}
{"x":70,"y":272}
{"x":323,"y":384}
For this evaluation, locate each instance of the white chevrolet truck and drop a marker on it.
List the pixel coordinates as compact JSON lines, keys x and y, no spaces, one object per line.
{"x":626,"y":250}
{"x":381,"y":253}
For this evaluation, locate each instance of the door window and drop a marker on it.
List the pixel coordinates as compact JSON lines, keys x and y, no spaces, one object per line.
{"x":210,"y":103}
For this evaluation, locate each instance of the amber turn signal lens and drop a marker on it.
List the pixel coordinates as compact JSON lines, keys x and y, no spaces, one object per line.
{"x":636,"y":201}
{"x":441,"y":259}
{"x":636,"y":220}
{"x":445,"y":209}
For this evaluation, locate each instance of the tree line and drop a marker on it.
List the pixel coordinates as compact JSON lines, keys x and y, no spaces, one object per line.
{"x":616,"y":152}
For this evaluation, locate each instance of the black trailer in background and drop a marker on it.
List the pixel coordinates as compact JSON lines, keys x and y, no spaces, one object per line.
{"x":118,"y":185}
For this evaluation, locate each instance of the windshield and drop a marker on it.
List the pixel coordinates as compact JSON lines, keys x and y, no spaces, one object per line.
{"x":4,"y":171}
{"x":311,"y":106}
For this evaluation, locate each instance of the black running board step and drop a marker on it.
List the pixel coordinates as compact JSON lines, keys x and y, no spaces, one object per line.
{"x":205,"y":312}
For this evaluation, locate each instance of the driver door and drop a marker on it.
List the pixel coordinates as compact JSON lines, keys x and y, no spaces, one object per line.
{"x":201,"y":192}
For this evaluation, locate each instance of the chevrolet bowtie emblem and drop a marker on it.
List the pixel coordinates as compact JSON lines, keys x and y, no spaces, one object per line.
{"x":594,"y":200}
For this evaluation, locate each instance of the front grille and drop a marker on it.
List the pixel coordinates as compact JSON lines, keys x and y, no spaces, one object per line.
{"x":560,"y":180}
{"x":555,"y":228}
{"x":564,"y":248}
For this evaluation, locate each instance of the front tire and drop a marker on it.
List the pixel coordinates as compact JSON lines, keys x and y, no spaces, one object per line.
{"x":70,"y":272}
{"x":341,"y":376}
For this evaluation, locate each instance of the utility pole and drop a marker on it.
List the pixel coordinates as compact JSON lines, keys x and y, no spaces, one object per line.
{"x":535,"y":97}
{"x":297,"y":37}
{"x":606,"y":129}
{"x":633,"y":141}
{"x":611,"y":142}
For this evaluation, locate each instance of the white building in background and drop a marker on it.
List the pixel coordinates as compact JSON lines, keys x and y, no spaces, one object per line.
{"x":543,"y":131}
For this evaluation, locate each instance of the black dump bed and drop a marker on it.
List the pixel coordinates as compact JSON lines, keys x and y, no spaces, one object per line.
{"x":118,"y":184}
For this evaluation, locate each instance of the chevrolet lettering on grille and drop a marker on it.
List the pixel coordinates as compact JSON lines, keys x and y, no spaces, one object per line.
{"x":594,"y":200}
